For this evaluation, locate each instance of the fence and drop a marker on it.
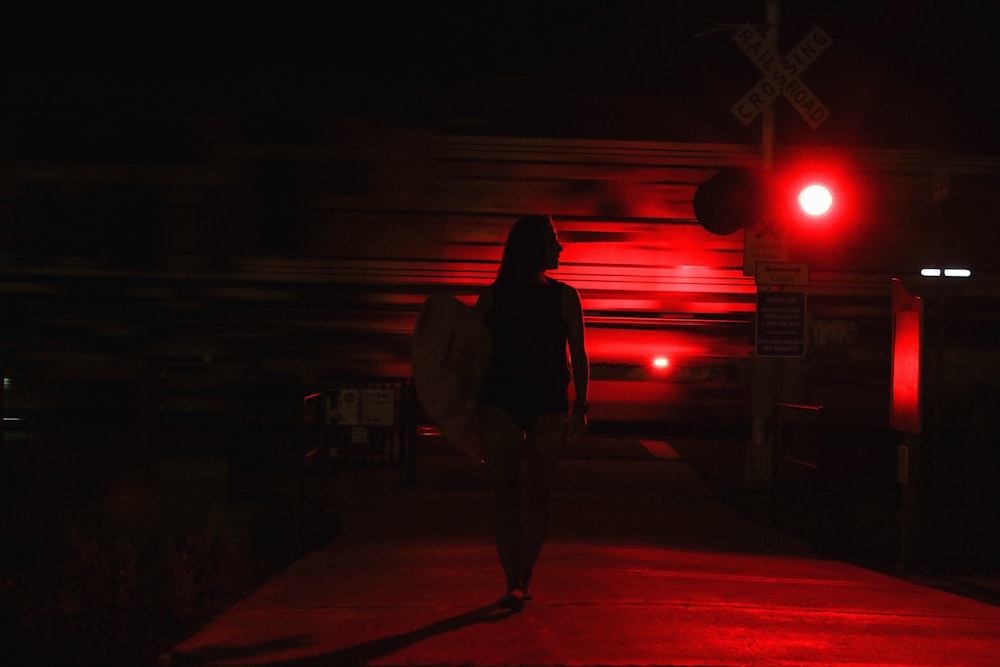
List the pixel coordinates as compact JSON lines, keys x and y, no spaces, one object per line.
{"x":192,"y":402}
{"x":284,"y":439}
{"x":365,"y":421}
{"x":799,"y":482}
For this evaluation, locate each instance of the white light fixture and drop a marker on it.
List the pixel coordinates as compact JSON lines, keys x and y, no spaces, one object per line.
{"x":948,"y":273}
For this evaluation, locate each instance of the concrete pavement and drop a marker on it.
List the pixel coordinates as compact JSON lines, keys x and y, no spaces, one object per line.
{"x":643,"y":567}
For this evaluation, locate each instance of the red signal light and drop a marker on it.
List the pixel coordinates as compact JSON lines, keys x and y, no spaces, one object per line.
{"x":813,"y":195}
{"x":815,"y":200}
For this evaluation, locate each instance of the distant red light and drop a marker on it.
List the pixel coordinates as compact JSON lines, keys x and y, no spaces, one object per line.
{"x":661,"y":362}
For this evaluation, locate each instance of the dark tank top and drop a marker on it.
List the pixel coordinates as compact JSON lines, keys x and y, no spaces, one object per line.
{"x":528,"y":371}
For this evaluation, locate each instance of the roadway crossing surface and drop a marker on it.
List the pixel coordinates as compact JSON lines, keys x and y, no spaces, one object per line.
{"x":644,"y":567}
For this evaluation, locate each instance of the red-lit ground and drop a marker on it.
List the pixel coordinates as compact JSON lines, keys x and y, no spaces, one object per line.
{"x":644,"y":566}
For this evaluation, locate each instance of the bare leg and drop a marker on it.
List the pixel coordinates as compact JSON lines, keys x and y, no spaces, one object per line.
{"x":503,"y":446}
{"x":545,"y":444}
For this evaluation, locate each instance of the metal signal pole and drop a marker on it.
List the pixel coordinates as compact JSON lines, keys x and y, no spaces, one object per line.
{"x":758,"y":465}
{"x":771,"y":17}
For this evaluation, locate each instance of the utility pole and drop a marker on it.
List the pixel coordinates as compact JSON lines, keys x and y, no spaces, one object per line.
{"x":758,"y":473}
{"x":775,"y":379}
{"x":771,"y":18}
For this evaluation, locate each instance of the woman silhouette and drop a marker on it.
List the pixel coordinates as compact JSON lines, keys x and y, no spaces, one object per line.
{"x":525,"y":415}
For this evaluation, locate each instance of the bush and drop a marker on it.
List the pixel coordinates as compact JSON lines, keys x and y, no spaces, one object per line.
{"x":114,"y":590}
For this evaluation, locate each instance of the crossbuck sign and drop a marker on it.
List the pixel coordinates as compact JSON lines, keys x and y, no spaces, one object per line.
{"x":781,"y":75}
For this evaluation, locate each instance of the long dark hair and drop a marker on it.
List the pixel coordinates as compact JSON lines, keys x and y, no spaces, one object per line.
{"x":524,"y":251}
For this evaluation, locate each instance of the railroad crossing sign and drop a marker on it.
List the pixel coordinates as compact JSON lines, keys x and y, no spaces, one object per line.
{"x":781,"y":75}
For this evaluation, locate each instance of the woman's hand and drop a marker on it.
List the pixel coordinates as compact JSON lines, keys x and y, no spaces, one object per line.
{"x":578,"y":420}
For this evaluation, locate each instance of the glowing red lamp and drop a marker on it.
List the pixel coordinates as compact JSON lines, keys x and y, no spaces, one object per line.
{"x":815,"y":200}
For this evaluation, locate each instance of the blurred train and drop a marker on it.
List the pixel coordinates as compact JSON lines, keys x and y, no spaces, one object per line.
{"x":308,"y":253}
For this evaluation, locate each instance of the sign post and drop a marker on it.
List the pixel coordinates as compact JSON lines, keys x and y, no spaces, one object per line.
{"x":780,"y":319}
{"x":905,"y":411}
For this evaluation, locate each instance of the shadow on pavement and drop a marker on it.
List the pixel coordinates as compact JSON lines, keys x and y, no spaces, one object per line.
{"x":359,"y":654}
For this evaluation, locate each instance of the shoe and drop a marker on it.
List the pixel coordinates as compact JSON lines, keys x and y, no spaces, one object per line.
{"x":524,"y":586}
{"x":514,"y":600}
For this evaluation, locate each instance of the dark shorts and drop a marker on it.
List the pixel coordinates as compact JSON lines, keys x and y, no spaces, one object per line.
{"x":525,"y":405}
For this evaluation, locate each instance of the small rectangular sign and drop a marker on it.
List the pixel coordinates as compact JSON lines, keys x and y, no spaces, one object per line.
{"x":782,"y":273}
{"x":758,"y":247}
{"x":781,"y":324}
{"x":377,"y":407}
{"x":342,"y":407}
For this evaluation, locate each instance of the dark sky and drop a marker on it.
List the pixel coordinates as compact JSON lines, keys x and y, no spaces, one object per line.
{"x":900,"y":74}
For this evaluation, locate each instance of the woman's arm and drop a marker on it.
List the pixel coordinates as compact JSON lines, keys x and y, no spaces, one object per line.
{"x":573,"y":314}
{"x":484,"y":302}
